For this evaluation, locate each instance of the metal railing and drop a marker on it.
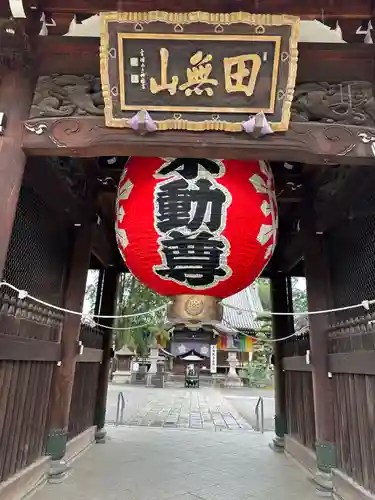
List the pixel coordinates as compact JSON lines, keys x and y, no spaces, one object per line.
{"x":259,"y":415}
{"x":120,"y":409}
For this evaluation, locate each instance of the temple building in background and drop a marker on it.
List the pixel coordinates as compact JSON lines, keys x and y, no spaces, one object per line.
{"x":235,"y":333}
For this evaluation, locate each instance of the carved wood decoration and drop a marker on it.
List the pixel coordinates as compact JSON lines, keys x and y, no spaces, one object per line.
{"x":198,"y":71}
{"x":349,"y":103}
{"x":304,"y":142}
{"x":67,"y":95}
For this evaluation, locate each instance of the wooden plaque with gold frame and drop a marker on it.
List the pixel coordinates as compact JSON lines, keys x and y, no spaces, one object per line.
{"x":198,"y":71}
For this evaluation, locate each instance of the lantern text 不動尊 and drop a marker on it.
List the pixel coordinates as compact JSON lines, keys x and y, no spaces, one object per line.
{"x":190,"y":216}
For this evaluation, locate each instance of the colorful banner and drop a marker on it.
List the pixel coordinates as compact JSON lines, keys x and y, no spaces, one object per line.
{"x":246,"y":343}
{"x":223,"y":343}
{"x":242,"y":342}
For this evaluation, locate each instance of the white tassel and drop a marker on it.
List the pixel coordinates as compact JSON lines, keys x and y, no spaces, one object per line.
{"x":44,"y":29}
{"x":368,"y":37}
{"x":338,"y":30}
{"x":257,"y":125}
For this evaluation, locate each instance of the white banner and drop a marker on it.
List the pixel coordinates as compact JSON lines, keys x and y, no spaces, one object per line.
{"x":213,"y":358}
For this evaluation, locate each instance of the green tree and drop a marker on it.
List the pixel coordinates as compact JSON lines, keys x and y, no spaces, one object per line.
{"x":134,"y":297}
{"x":91,"y":291}
{"x":259,"y":367}
{"x":264,"y":292}
{"x":299,"y":295}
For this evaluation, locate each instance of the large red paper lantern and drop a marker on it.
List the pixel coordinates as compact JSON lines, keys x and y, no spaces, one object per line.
{"x":196,"y":226}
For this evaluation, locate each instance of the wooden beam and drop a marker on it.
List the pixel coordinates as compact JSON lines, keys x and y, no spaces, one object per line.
{"x":309,"y":9}
{"x":325,"y":62}
{"x":304,"y":142}
{"x":90,"y":355}
{"x":296,"y":364}
{"x":27,"y":349}
{"x":354,"y":363}
{"x":357,"y":362}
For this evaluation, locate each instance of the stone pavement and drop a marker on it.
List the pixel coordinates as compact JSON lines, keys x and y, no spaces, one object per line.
{"x":175,"y":407}
{"x":244,"y":401}
{"x":141,"y":463}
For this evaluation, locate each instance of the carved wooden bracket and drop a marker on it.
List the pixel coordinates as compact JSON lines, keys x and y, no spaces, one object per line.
{"x":310,"y":142}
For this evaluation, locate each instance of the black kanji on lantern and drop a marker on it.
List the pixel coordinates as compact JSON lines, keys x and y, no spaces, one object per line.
{"x":190,"y":208}
{"x":188,"y":168}
{"x":192,"y":259}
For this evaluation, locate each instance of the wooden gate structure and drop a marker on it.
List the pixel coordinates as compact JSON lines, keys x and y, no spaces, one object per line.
{"x":59,"y":168}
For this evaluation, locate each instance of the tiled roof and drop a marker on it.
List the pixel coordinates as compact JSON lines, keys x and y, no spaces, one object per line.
{"x":125,"y":351}
{"x":246,"y":299}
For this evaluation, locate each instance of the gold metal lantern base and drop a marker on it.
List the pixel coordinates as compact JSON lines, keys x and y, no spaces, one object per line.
{"x":195,"y":309}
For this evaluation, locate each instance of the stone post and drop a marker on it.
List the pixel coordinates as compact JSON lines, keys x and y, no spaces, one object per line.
{"x":154,"y":356}
{"x":232,"y":379}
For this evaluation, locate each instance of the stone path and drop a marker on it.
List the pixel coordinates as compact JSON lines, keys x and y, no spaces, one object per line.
{"x":244,"y":401}
{"x":205,"y":408}
{"x":159,"y":464}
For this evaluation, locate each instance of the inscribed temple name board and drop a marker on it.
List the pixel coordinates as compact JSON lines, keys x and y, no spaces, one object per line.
{"x":198,"y":71}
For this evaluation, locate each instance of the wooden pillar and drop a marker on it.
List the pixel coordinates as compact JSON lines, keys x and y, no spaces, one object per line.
{"x":64,"y":375}
{"x":280,"y":329}
{"x":16,"y":91}
{"x":107,"y":308}
{"x":319,"y":298}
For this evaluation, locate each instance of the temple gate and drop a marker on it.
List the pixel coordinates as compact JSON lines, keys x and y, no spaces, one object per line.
{"x":60,"y":164}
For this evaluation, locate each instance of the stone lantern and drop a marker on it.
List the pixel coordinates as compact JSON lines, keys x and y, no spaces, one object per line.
{"x":232,"y":379}
{"x":124,"y":359}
